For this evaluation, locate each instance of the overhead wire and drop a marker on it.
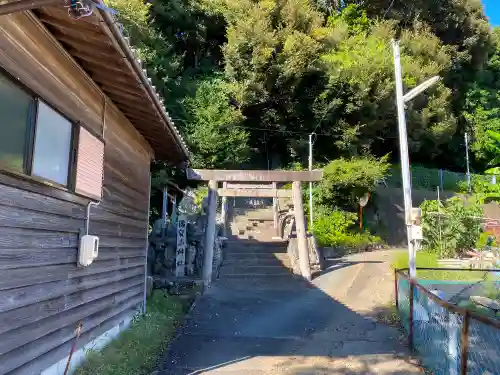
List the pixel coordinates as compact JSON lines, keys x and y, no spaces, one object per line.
{"x":297,"y":132}
{"x":388,"y":9}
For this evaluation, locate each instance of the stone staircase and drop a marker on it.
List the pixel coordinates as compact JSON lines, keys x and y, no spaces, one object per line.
{"x":252,"y":257}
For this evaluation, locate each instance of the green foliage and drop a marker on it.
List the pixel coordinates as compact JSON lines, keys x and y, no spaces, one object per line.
{"x":494,"y":148}
{"x":484,"y":240}
{"x":481,"y":185}
{"x":213,"y":127}
{"x":482,"y":110}
{"x":359,"y":95}
{"x":138,"y":350}
{"x":200,"y":193}
{"x":425,"y":259}
{"x":150,"y":43}
{"x":450,"y":227}
{"x":353,"y":17}
{"x":335,"y":228}
{"x":346,"y":180}
{"x":291,"y":67}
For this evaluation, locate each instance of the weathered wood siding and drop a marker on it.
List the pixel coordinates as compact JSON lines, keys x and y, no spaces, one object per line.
{"x":43,"y":294}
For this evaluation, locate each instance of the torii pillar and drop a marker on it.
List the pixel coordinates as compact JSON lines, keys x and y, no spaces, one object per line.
{"x":216,"y":176}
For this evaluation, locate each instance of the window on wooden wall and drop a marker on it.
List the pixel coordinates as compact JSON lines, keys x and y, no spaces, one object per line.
{"x":36,"y":140}
{"x":15,"y":111}
{"x":52,"y":146}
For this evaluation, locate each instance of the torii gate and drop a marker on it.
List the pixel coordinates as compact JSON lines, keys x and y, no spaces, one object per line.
{"x":216,"y":176}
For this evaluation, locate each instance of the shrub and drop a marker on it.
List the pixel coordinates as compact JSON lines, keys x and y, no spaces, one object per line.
{"x":450,"y":227}
{"x":346,"y":180}
{"x":484,"y":239}
{"x":335,"y":228}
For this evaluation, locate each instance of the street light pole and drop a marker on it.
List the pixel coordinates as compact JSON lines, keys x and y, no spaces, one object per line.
{"x":310,"y":183}
{"x":467,"y":161}
{"x":405,"y":162}
{"x":411,"y":229}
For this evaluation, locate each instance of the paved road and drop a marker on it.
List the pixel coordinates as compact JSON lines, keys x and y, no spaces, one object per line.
{"x":287,"y":327}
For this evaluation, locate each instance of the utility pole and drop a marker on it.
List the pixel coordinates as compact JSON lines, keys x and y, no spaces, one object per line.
{"x":401,"y":99}
{"x":467,"y":161}
{"x":403,"y":148}
{"x":310,"y":183}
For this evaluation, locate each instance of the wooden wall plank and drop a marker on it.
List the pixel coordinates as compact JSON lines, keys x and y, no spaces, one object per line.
{"x":106,"y":215}
{"x":20,"y":297}
{"x":16,"y":338}
{"x":113,"y":180}
{"x":22,"y":258}
{"x":19,"y":238}
{"x":62,"y":351}
{"x":14,"y":278}
{"x":120,"y":131}
{"x":13,"y":217}
{"x":63,"y":337}
{"x":14,"y":197}
{"x":110,"y":241}
{"x":27,"y":184}
{"x":32,"y":313}
{"x":115,"y":203}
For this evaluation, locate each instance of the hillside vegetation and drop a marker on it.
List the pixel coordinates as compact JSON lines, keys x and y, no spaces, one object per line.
{"x":248,"y":80}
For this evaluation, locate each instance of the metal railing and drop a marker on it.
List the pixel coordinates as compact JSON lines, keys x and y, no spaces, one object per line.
{"x":448,"y":338}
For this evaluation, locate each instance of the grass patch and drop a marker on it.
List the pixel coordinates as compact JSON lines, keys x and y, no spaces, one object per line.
{"x":430,"y":260}
{"x":139,"y":348}
{"x":389,"y":315}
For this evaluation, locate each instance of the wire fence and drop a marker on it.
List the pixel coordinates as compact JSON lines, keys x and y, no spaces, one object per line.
{"x":450,"y":338}
{"x":430,"y":178}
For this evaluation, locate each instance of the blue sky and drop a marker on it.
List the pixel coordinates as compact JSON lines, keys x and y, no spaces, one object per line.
{"x":493,"y":11}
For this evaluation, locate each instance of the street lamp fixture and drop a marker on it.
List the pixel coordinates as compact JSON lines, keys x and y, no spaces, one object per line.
{"x":420,"y":88}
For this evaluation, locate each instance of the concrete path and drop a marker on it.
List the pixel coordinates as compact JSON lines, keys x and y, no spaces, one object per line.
{"x":289,"y":327}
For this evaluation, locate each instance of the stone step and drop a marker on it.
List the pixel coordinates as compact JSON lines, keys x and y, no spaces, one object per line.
{"x":257,"y":271}
{"x":267,"y":282}
{"x":248,"y":249}
{"x":272,"y":244}
{"x":252,"y":259}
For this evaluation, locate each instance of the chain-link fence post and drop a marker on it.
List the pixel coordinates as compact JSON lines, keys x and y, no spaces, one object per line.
{"x":396,"y":291}
{"x":464,"y":344}
{"x":412,"y":297}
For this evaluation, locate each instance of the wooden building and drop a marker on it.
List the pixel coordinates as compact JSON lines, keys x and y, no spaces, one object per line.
{"x":80,"y":122}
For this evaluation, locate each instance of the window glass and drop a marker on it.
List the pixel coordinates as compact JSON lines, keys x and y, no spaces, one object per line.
{"x":52,"y":145}
{"x":14,"y":124}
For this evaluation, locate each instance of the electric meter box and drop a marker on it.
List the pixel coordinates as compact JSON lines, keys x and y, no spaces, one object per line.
{"x":416,"y":233}
{"x":89,"y":250}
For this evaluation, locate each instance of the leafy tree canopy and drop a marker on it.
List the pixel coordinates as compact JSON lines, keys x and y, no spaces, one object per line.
{"x":248,"y":80}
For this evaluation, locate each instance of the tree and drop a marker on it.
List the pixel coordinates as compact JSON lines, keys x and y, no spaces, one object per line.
{"x":482,"y":106}
{"x":346,"y":180}
{"x":286,"y":68}
{"x":271,"y":57}
{"x":360,"y":93}
{"x":214,"y":128}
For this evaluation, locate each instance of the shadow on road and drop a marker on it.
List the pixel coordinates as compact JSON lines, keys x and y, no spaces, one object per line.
{"x":336,"y":264}
{"x":260,"y":322}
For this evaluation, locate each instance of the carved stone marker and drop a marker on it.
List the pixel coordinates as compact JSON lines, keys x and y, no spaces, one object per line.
{"x":180,"y":258}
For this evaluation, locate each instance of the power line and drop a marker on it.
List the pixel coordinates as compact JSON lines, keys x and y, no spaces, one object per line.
{"x":279,"y":130}
{"x":388,"y":9}
{"x":305,"y":132}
